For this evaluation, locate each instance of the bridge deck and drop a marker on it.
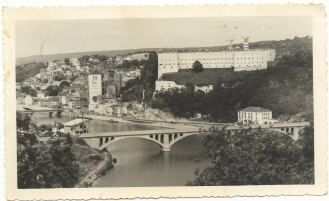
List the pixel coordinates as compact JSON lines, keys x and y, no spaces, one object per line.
{"x":186,"y":129}
{"x":140,"y":132}
{"x":35,"y":108}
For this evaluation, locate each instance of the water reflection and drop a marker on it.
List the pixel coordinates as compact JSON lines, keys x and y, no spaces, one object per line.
{"x":140,"y":163}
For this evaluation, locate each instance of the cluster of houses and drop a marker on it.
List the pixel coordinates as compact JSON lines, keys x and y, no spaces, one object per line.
{"x":60,"y":131}
{"x":111,"y":107}
{"x":74,"y":93}
{"x":137,"y":56}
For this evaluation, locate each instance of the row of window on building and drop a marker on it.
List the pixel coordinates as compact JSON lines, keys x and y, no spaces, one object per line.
{"x":194,"y":59}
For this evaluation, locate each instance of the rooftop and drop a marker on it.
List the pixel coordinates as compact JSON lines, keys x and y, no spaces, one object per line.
{"x":255,"y":109}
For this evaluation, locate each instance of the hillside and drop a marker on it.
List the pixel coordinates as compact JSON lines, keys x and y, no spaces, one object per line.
{"x":206,"y":77}
{"x":28,"y":70}
{"x":286,"y":88}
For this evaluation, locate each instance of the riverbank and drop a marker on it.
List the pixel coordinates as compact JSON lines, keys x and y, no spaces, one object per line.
{"x":92,"y":163}
{"x":105,"y":118}
{"x":97,"y":172}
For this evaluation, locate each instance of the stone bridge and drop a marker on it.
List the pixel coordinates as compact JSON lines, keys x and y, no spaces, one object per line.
{"x":166,"y":137}
{"x":31,"y":109}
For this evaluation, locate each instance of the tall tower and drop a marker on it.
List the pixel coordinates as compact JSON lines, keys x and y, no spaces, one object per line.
{"x":230,"y":46}
{"x":95,"y":90}
{"x":245,"y":43}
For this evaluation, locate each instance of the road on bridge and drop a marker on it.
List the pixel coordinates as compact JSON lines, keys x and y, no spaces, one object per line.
{"x":35,"y":108}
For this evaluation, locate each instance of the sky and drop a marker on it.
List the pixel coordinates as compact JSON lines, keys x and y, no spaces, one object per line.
{"x":69,"y":36}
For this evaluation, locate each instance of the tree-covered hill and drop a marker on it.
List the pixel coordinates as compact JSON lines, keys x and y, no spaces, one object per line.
{"x":286,"y":47}
{"x":28,"y":70}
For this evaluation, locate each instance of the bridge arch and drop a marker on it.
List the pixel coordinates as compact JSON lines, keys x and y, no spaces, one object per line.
{"x":179,"y":137}
{"x":106,"y":141}
{"x":164,"y":140}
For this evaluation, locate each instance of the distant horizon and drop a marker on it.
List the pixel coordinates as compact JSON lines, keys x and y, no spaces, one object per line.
{"x":49,"y":37}
{"x":154,"y":48}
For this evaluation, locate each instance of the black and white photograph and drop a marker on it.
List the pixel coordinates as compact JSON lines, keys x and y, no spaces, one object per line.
{"x":164,"y":102}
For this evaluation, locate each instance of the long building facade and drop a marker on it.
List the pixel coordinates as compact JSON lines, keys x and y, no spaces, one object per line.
{"x":240,"y":60}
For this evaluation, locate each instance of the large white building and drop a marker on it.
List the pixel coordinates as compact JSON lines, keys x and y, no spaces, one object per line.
{"x":240,"y":60}
{"x":95,"y":89}
{"x":255,"y":115}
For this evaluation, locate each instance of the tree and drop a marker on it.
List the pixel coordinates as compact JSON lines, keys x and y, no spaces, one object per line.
{"x":28,"y":90}
{"x":23,"y":121}
{"x":254,"y":158}
{"x":45,"y":127}
{"x":60,"y":77}
{"x":64,"y":83}
{"x":69,"y":140}
{"x":53,"y":90}
{"x":67,"y":61}
{"x":135,"y":62}
{"x":45,"y":80}
{"x":126,"y":64}
{"x":197,"y":67}
{"x":74,"y":77}
{"x":54,"y":167}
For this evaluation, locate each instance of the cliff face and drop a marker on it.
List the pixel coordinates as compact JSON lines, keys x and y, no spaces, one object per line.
{"x":158,"y":115}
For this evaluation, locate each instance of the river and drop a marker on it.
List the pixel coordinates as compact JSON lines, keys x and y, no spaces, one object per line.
{"x":140,"y":163}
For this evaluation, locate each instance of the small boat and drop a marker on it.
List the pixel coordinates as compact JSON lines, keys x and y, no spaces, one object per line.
{"x":112,"y":121}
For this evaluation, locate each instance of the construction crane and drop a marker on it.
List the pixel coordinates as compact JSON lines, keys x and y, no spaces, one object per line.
{"x":245,"y":43}
{"x":230,"y":46}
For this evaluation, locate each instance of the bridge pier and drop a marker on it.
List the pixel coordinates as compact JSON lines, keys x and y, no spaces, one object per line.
{"x":50,"y":114}
{"x":295,"y":133}
{"x":165,"y":149}
{"x":165,"y":142}
{"x":59,"y":114}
